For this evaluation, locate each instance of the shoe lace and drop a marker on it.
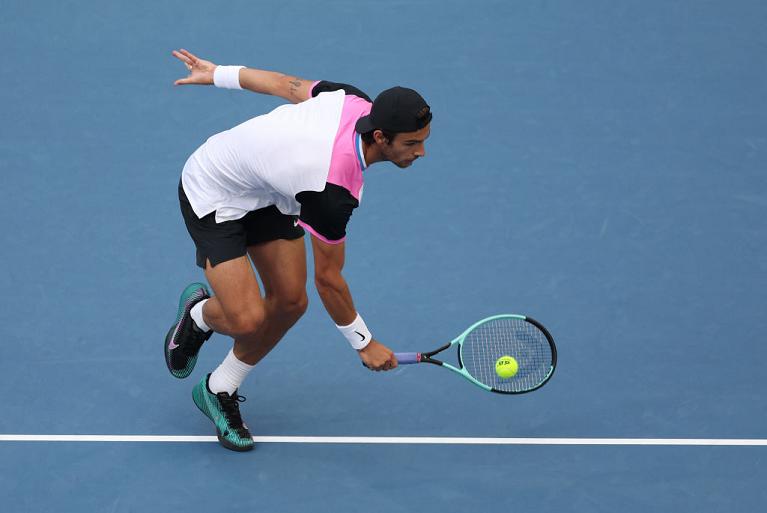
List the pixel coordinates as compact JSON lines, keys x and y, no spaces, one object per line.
{"x":230,"y":404}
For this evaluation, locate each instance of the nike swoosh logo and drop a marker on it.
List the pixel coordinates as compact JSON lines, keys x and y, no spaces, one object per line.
{"x":362,"y":337}
{"x":172,"y":345}
{"x":295,"y":222}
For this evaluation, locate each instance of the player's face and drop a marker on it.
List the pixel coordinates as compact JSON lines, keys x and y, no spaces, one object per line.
{"x":406,"y":147}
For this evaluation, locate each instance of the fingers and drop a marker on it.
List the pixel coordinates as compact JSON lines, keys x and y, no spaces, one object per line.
{"x":189,"y":55}
{"x":186,"y":57}
{"x":387,"y":365}
{"x":190,"y":60}
{"x":375,"y":366}
{"x":183,"y":58}
{"x":390,"y":364}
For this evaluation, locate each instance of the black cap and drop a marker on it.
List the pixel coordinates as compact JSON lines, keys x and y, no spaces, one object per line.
{"x":398,"y":109}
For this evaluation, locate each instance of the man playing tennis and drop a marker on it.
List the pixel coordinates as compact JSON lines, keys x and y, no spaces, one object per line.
{"x":248,"y":193}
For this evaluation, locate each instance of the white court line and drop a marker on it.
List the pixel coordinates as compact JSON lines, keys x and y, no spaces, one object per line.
{"x":416,"y":440}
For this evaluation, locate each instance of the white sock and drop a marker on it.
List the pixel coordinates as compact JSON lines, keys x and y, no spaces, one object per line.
{"x":196,"y":314}
{"x":229,"y":375}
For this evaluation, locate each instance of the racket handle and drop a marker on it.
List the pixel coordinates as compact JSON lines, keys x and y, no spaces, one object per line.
{"x":407,"y":358}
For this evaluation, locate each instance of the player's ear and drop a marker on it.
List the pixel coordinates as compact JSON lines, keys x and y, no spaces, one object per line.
{"x":379,"y":137}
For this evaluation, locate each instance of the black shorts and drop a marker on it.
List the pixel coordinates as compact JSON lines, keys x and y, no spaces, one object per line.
{"x":219,"y":242}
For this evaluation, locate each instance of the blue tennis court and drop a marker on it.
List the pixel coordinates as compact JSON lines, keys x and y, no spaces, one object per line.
{"x":599,"y":166}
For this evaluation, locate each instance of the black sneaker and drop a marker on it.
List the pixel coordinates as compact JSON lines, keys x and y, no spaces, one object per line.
{"x":184,"y":339}
{"x":224,"y":410}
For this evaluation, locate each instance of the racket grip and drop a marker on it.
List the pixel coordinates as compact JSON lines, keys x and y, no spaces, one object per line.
{"x":407,"y":358}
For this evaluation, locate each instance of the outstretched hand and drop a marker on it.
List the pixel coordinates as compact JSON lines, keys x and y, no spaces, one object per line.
{"x":200,"y":70}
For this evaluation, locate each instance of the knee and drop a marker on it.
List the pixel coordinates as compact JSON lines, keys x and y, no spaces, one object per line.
{"x":291,"y":305}
{"x":247,"y":321}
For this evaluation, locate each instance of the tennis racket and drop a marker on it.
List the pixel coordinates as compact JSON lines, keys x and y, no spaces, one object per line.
{"x":518,"y":336}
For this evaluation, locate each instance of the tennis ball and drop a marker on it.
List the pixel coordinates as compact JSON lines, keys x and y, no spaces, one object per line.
{"x":506,"y":366}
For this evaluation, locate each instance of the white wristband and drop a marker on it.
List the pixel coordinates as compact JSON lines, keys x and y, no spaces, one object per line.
{"x":356,"y":333}
{"x":227,"y":77}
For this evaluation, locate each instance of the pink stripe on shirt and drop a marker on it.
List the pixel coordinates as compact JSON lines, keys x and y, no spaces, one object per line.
{"x":345,"y":169}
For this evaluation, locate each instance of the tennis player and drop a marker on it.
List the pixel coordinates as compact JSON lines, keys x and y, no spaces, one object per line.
{"x":248,"y":194}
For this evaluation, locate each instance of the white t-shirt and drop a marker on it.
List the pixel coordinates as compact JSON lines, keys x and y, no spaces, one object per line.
{"x":305,"y":159}
{"x":266,"y":160}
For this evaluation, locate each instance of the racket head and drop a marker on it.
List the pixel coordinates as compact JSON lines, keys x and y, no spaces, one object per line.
{"x":519,"y":336}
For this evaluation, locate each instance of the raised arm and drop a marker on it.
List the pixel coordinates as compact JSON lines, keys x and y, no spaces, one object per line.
{"x":335,"y":295}
{"x":289,"y":87}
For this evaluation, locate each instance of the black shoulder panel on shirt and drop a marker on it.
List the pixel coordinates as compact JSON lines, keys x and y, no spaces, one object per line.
{"x":328,"y":211}
{"x":325,"y":86}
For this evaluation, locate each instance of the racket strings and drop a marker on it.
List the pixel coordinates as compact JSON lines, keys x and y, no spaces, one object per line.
{"x":507,"y":337}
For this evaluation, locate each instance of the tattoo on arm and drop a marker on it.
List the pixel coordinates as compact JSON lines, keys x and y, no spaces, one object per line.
{"x":295,"y":84}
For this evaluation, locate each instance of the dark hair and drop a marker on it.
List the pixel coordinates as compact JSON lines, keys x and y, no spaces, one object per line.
{"x":368,"y":136}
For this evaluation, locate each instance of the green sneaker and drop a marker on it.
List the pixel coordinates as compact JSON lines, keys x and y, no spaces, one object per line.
{"x":224,"y":410}
{"x":184,"y":339}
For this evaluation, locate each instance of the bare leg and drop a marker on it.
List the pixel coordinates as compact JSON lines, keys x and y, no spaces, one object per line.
{"x":237,"y":308}
{"x":281,"y":264}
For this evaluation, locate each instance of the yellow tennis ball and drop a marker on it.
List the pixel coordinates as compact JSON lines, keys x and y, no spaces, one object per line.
{"x":506,"y":366}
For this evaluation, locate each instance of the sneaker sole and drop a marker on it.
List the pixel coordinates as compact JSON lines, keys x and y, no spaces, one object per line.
{"x":228,"y":445}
